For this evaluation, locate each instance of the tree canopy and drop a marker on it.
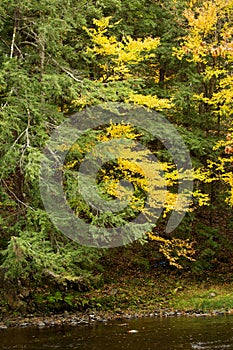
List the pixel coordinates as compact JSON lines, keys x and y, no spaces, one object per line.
{"x":58,"y":58}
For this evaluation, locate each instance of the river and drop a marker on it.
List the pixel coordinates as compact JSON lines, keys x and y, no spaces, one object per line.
{"x":162,"y":334}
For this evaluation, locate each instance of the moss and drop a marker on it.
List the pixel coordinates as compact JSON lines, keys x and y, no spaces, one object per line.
{"x":198,"y":298}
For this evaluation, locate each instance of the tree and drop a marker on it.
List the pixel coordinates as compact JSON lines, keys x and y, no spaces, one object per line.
{"x":39,"y":77}
{"x":208,"y":45}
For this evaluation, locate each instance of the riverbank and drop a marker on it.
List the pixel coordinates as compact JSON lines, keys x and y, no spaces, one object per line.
{"x":160,"y":294}
{"x":67,"y":319}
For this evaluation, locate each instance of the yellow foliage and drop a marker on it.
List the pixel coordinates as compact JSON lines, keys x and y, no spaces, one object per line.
{"x":204,"y":19}
{"x":120,"y":60}
{"x":118,"y":57}
{"x":102,"y":23}
{"x":220,"y":170}
{"x":173,"y":249}
{"x":224,"y":166}
{"x":228,"y":179}
{"x":170,"y":203}
{"x":118,"y":131}
{"x":80,"y":102}
{"x":152,"y":102}
{"x":224,"y":96}
{"x":151,"y":182}
{"x":204,"y":175}
{"x":71,"y":165}
{"x":209,"y":45}
{"x":137,"y":168}
{"x":203,"y":24}
{"x":203,"y":198}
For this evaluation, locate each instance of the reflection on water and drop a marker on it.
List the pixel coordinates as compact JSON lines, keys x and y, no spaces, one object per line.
{"x":163,"y":334}
{"x":218,"y":344}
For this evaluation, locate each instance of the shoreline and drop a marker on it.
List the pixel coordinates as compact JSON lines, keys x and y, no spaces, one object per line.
{"x":78,"y":319}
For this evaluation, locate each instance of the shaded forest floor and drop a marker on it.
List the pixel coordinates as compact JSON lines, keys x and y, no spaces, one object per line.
{"x":134,"y":293}
{"x":131,"y":288}
{"x":132,"y":285}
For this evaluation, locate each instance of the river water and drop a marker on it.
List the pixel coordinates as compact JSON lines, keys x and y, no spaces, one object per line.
{"x":162,"y":334}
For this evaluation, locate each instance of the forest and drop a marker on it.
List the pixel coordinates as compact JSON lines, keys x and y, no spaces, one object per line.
{"x":171,"y":58}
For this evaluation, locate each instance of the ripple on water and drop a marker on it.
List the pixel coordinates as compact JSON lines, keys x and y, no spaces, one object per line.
{"x":211,"y":345}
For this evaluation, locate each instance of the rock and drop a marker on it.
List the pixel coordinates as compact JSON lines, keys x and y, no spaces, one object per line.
{"x":24,"y":324}
{"x":66,"y":314}
{"x":171,"y":314}
{"x":132,"y":331}
{"x":24,"y":292}
{"x":223,"y":312}
{"x":41,"y":324}
{"x":212,"y":295}
{"x":128,"y":316}
{"x":83,"y":321}
{"x":201,"y":314}
{"x":3,"y":326}
{"x":119,"y":311}
{"x":114,"y":291}
{"x":98,"y":318}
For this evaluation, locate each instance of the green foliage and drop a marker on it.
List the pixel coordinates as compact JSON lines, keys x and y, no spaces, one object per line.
{"x":209,"y":245}
{"x":43,"y":253}
{"x":217,"y":298}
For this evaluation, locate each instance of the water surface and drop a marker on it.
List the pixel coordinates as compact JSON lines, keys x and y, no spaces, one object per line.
{"x":162,"y":334}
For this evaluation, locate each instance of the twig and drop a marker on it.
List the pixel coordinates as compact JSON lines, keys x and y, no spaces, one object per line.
{"x":16,"y":26}
{"x":13,"y":42}
{"x":18,"y":200}
{"x":67,"y":71}
{"x":29,"y":43}
{"x":27,"y":128}
{"x":20,"y":135}
{"x":5,"y":104}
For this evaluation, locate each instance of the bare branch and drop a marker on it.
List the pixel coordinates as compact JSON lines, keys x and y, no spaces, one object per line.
{"x":13,"y":42}
{"x":67,"y":71}
{"x":16,"y":26}
{"x":29,"y":43}
{"x":5,"y":104}
{"x":14,"y":195}
{"x":27,"y":128}
{"x":19,"y":137}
